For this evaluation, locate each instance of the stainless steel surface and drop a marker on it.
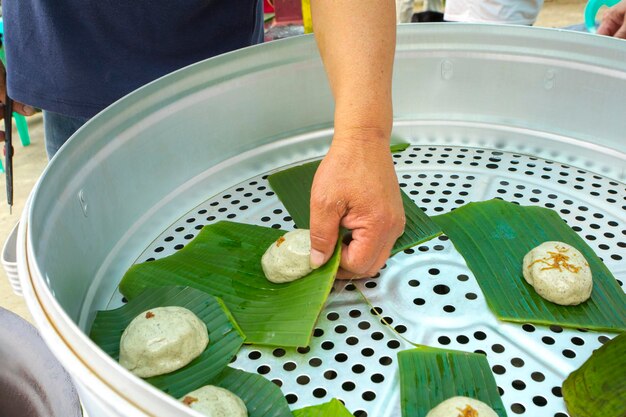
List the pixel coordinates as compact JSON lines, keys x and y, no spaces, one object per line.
{"x":32,"y":382}
{"x":427,"y":294}
{"x":121,"y":181}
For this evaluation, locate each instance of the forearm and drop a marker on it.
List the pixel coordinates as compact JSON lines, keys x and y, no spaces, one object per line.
{"x":357,"y":41}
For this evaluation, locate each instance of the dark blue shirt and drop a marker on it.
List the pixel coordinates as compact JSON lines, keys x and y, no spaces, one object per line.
{"x":76,"y":57}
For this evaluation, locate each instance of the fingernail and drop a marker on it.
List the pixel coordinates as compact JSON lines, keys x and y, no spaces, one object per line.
{"x":317,"y":259}
{"x":29,"y":110}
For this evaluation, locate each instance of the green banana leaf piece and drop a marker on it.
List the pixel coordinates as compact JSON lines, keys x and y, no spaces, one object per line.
{"x":333,"y":408}
{"x":399,"y":147}
{"x":493,"y":237}
{"x":598,"y":387}
{"x":293,"y":188}
{"x":429,"y":376}
{"x":225,"y":260}
{"x":262,"y":397}
{"x":225,"y":336}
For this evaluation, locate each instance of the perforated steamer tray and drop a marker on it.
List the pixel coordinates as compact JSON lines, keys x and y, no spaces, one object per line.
{"x":427,"y":294}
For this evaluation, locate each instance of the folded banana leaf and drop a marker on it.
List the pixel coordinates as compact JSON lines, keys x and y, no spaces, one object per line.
{"x":262,"y":397}
{"x":225,"y":336}
{"x":429,"y":376}
{"x":598,"y":387}
{"x":493,"y":237}
{"x":333,"y":408}
{"x":293,"y":188}
{"x":225,"y":260}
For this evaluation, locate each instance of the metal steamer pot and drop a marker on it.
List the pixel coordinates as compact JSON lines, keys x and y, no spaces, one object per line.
{"x":528,"y":114}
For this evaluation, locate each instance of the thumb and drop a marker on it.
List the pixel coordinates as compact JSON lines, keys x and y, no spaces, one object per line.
{"x":23,"y":109}
{"x":324,"y":224}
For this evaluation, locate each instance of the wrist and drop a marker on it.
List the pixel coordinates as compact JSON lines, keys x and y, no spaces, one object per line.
{"x":364,"y":127}
{"x":362,"y":140}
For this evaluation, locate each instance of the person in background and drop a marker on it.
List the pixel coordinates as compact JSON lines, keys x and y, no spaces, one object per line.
{"x":513,"y":12}
{"x":404,"y":9}
{"x":525,"y":12}
{"x":72,"y":58}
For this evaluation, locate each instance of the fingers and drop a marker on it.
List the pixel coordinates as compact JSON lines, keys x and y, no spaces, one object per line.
{"x":613,"y":22}
{"x":18,"y":107}
{"x":382,"y":258}
{"x":376,"y":266}
{"x":359,"y":255}
{"x":23,"y":109}
{"x":369,"y":249}
{"x":343,"y":274}
{"x":608,"y":27}
{"x":621,"y":32}
{"x":324,"y":223}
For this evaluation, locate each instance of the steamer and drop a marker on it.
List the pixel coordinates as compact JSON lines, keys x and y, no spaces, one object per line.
{"x":528,"y":115}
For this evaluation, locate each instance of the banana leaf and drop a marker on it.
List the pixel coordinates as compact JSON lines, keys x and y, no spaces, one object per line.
{"x":225,"y":260}
{"x":225,"y":336}
{"x":429,"y":376}
{"x":262,"y":397}
{"x":399,"y":147}
{"x":598,"y":387}
{"x":293,"y":188}
{"x":333,"y":408}
{"x":493,"y":237}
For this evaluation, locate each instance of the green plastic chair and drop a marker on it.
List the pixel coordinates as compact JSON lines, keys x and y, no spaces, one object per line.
{"x":20,"y":120}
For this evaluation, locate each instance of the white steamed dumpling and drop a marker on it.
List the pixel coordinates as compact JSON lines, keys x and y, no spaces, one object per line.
{"x":162,"y":340}
{"x":559,"y":273}
{"x":215,"y":402}
{"x":288,"y":258}
{"x":462,"y":407}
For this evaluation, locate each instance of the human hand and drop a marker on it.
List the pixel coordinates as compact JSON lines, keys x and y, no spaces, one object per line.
{"x":17,"y":106}
{"x":356,"y":187}
{"x":614,"y":21}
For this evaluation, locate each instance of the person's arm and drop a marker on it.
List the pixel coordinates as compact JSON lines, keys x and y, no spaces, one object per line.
{"x":614,"y":21}
{"x":356,"y":184}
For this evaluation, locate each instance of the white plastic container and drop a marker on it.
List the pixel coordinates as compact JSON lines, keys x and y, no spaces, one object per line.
{"x":9,"y":261}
